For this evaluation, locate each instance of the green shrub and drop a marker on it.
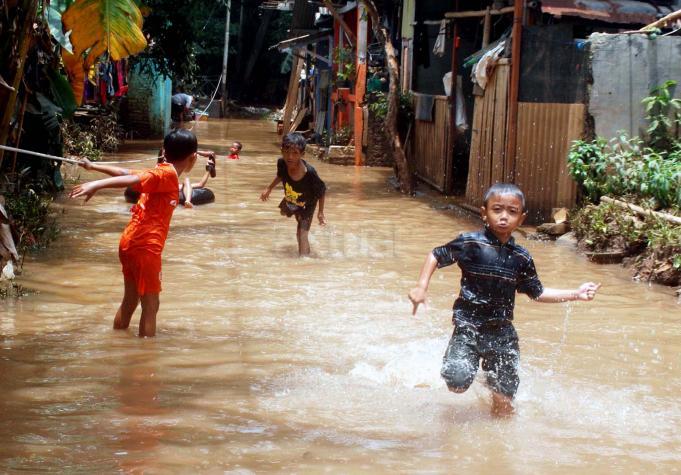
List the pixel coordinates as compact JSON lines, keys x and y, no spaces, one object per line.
{"x":32,"y":220}
{"x":625,"y":166}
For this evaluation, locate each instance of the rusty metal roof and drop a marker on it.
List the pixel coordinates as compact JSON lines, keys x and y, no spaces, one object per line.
{"x":611,"y":11}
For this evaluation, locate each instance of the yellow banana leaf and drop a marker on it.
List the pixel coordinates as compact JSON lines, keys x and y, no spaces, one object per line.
{"x":99,"y":26}
{"x":76,"y":73}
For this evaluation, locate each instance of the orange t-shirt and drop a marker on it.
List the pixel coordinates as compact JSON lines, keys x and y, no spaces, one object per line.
{"x":148,"y":228}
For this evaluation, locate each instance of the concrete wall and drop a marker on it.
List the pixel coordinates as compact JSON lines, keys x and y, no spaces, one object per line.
{"x":625,"y":68}
{"x":148,"y":107}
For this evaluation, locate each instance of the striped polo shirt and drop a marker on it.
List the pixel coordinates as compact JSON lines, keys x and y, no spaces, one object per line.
{"x":491,"y":274}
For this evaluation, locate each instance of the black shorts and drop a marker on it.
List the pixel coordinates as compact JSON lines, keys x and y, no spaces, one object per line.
{"x":497,"y":347}
{"x":303,"y":215}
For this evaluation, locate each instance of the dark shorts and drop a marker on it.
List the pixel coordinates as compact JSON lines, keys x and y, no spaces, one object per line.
{"x":496,"y":346}
{"x":303,"y":216}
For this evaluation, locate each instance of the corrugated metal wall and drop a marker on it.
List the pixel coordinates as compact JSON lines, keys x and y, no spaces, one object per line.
{"x":430,"y":151}
{"x":545,"y":132}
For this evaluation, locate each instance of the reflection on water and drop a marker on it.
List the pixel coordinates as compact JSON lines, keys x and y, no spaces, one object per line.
{"x":267,"y":362}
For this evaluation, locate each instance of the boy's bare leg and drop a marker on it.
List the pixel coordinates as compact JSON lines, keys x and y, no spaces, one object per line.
{"x":502,"y":406}
{"x":150,"y":303}
{"x":128,"y":306}
{"x":303,"y":241}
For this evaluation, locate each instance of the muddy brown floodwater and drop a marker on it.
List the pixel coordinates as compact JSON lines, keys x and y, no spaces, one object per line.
{"x":265,"y":362}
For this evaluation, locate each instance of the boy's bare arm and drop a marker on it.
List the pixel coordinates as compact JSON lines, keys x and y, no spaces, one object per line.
{"x":108,"y":169}
{"x":417,"y":295}
{"x":586,"y":291}
{"x":206,"y":153}
{"x":90,"y":188}
{"x":266,"y":192}
{"x":202,"y":183}
{"x":320,"y":212}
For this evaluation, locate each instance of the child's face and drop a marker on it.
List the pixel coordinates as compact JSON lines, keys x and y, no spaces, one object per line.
{"x":503,"y":214}
{"x":292,"y":155}
{"x":235,"y":148}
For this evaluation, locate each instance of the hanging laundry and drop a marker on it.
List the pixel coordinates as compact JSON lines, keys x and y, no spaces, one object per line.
{"x":439,"y":48}
{"x":484,"y":68}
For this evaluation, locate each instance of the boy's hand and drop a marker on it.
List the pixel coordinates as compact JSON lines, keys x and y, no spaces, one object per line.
{"x":85,"y":163}
{"x":587,"y":291}
{"x":264,"y":196}
{"x":85,"y":189}
{"x":188,"y":204}
{"x":322,"y":219}
{"x":417,"y":295}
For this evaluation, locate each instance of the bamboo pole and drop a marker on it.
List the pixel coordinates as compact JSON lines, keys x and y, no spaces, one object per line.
{"x":478,"y":13}
{"x":662,"y":22}
{"x":642,"y":211}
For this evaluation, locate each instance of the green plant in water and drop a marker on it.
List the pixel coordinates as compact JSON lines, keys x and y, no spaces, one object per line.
{"x":32,"y":220}
{"x":663,"y":113}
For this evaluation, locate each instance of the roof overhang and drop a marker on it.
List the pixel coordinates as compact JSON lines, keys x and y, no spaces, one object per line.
{"x":610,"y":11}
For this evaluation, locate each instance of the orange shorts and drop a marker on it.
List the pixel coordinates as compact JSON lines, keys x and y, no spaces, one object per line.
{"x":143,"y":268}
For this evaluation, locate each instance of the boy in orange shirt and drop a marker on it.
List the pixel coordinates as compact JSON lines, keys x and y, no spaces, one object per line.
{"x":143,"y":239}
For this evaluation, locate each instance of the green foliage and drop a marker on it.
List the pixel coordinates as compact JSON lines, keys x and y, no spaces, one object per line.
{"x":606,"y":227}
{"x":345,"y":60}
{"x":30,"y":212}
{"x":625,"y":166}
{"x":378,"y":105}
{"x":339,"y":136}
{"x":663,"y":113}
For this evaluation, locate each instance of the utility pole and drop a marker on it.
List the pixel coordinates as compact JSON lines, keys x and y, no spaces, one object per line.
{"x":225,"y":57}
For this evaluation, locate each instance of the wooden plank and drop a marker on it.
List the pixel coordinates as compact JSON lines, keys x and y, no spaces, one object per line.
{"x":292,"y":96}
{"x":299,"y":118}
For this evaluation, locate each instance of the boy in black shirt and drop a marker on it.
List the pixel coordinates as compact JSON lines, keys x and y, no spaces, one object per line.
{"x":302,"y":189}
{"x":493,"y":269}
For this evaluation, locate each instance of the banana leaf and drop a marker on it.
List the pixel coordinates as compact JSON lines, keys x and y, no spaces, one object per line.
{"x":54,"y":21}
{"x":62,"y":92}
{"x":99,"y":26}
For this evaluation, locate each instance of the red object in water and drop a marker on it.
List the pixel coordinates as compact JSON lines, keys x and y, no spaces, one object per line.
{"x":233,"y":156}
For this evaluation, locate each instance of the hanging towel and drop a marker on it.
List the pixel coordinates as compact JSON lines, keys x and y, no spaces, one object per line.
{"x":424,"y":107}
{"x":439,"y":48}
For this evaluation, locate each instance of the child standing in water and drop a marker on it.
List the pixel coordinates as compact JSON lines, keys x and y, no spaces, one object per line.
{"x":234,"y":150}
{"x":143,"y":239}
{"x":302,"y":189}
{"x":493,"y":269}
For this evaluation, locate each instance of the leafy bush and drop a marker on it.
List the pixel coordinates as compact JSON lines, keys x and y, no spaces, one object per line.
{"x":607,"y":227}
{"x":32,"y":222}
{"x":625,"y":166}
{"x":378,"y":105}
{"x":663,"y":113}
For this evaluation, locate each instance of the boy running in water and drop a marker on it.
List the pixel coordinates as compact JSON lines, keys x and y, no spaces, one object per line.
{"x":493,"y":269}
{"x":302,"y":189}
{"x":143,"y":239}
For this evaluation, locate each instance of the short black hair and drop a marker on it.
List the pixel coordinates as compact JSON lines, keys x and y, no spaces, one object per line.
{"x":238,"y":143}
{"x":504,"y":189}
{"x":294,"y":140}
{"x":179,"y":144}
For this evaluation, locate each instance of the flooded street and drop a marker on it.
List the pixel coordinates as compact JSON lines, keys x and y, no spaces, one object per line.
{"x":265,"y":362}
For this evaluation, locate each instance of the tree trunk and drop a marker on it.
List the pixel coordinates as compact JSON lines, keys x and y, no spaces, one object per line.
{"x":404,"y":174}
{"x":30,"y":8}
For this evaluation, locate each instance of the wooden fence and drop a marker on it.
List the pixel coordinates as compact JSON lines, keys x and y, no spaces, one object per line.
{"x":429,"y":149}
